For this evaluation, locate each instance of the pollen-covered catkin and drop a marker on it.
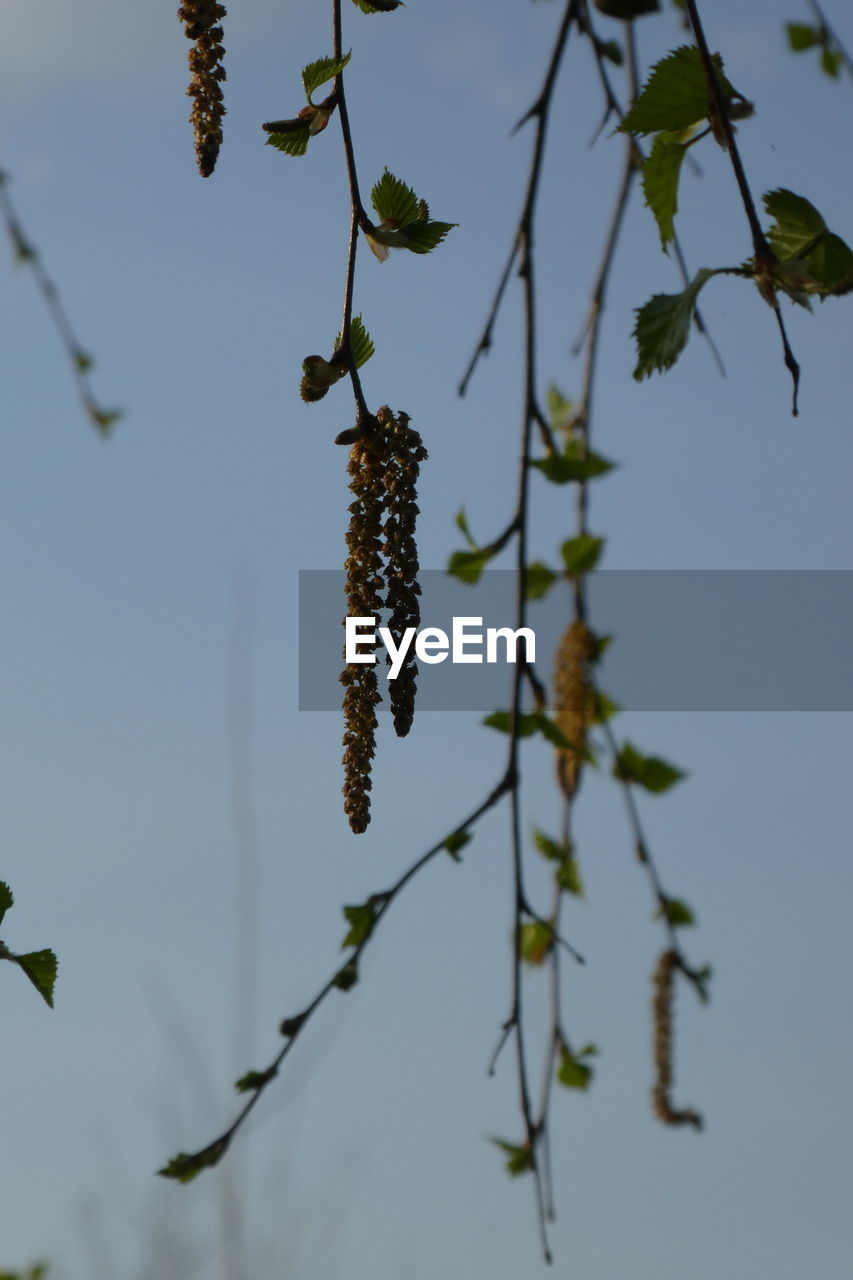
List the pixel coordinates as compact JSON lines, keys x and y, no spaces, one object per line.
{"x":663,"y":983}
{"x":405,"y":450}
{"x":572,"y":701}
{"x":364,"y":588}
{"x":201,"y":22}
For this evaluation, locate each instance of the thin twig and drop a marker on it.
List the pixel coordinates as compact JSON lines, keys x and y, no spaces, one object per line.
{"x":764,"y":259}
{"x":81,"y":362}
{"x":832,"y":34}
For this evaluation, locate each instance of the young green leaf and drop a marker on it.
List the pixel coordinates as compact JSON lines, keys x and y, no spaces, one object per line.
{"x":378,"y":6}
{"x":568,"y":876}
{"x":455,"y":842}
{"x":573,"y":464}
{"x":519,"y":1158}
{"x":319,"y":72}
{"x":502,"y":721}
{"x":800,"y":235}
{"x":538,"y":581}
{"x":361,"y":342}
{"x":676,"y":912}
{"x":6,"y":899}
{"x":293,"y":141}
{"x":559,"y":408}
{"x":573,"y":1072}
{"x":467,"y":566}
{"x":254,"y":1080}
{"x":663,"y":327}
{"x":405,"y":221}
{"x":650,"y":772}
{"x":801,"y":35}
{"x":535,"y":940}
{"x":40,"y":967}
{"x":183,"y":1167}
{"x":831,"y":61}
{"x":581,"y":554}
{"x":549,"y":848}
{"x":676,"y":94}
{"x":461,"y":521}
{"x":361,"y":920}
{"x":347,"y":977}
{"x":661,"y":172}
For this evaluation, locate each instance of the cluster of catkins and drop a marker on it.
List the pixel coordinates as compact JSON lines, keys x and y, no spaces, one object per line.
{"x":381,"y":573}
{"x":662,"y":1011}
{"x":201,"y":21}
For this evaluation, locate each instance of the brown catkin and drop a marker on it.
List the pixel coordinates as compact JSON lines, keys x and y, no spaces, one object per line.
{"x":201,"y":22}
{"x":364,"y":588}
{"x":572,"y":701}
{"x":405,"y":454}
{"x":663,"y":985}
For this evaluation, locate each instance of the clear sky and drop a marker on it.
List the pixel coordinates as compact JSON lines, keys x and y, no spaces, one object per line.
{"x":171,"y":822}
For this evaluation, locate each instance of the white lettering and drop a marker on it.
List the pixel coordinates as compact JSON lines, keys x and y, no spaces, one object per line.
{"x":461,"y":638}
{"x":353,"y":627}
{"x":493,"y":634}
{"x":397,"y":653}
{"x":432,"y":645}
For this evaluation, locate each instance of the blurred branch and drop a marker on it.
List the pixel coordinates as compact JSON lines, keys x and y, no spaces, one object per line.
{"x":81,"y":363}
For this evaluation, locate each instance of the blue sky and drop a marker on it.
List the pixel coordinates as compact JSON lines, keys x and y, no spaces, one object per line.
{"x":150,"y":580}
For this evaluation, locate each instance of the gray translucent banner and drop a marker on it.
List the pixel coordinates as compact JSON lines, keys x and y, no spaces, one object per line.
{"x":684,"y":640}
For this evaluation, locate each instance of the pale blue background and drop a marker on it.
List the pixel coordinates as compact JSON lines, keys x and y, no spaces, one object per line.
{"x":150,"y":580}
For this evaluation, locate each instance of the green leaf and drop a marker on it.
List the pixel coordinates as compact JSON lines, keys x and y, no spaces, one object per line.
{"x":103,"y":419}
{"x":361,"y":920}
{"x":378,"y":6}
{"x":550,"y":731}
{"x":456,"y":841}
{"x":254,"y":1080}
{"x":612,"y":51}
{"x":661,"y":172}
{"x":559,"y":408}
{"x":294,"y":142}
{"x":361,"y":342}
{"x":801,"y":35}
{"x":347,"y":977}
{"x":319,"y":72}
{"x":183,"y":1168}
{"x":568,"y":876}
{"x":83,"y":361}
{"x":467,"y":566}
{"x":573,"y":464}
{"x":405,"y":219}
{"x":40,"y":967}
{"x":394,"y":201}
{"x":502,"y":721}
{"x":6,"y":899}
{"x":676,"y":94}
{"x":573,"y":1072}
{"x":650,"y":772}
{"x":535,"y":940}
{"x":797,"y":223}
{"x":676,"y":912}
{"x":462,"y":524}
{"x":549,"y":848}
{"x":519,"y":1158}
{"x":538,"y":580}
{"x":581,"y":554}
{"x":602,"y":708}
{"x":700,"y":978}
{"x":663,"y":327}
{"x":830,"y":62}
{"x":422,"y":236}
{"x":800,"y":234}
